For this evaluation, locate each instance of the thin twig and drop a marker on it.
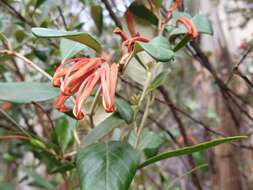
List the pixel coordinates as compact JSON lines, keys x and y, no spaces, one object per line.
{"x":29,"y":62}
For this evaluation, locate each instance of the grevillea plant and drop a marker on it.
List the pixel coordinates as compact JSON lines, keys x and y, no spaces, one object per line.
{"x":109,"y":153}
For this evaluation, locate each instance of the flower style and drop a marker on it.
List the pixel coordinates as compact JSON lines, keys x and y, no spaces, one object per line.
{"x":174,"y":6}
{"x":130,"y":24}
{"x":192,"y":30}
{"x":129,"y":42}
{"x":79,"y":76}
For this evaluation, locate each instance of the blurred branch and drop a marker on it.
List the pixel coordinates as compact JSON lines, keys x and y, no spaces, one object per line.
{"x":29,"y":62}
{"x":16,"y":13}
{"x":182,"y":130}
{"x":113,"y":16}
{"x":62,"y":17}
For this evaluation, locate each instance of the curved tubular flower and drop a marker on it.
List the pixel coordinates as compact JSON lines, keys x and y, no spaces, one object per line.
{"x":129,"y":42}
{"x":60,"y":103}
{"x":77,"y":73}
{"x":61,"y":71}
{"x":130,"y":23}
{"x":83,"y":93}
{"x":79,"y":76}
{"x":122,"y":34}
{"x":192,"y":30}
{"x":108,"y":81}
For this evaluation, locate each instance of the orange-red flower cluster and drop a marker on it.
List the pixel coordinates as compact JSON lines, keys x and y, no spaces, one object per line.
{"x":192,"y":30}
{"x":79,"y":76}
{"x":129,"y":42}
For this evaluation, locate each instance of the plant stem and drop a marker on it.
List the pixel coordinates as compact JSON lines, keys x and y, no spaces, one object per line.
{"x":29,"y":62}
{"x":143,"y":120}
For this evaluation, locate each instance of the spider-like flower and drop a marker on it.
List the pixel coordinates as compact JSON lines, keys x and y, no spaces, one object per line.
{"x":192,"y":30}
{"x":79,"y":76}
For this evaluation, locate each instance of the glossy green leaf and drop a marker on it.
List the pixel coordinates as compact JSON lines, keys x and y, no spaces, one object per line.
{"x":182,"y":43}
{"x":81,"y":37}
{"x":150,"y":142}
{"x":158,"y":81}
{"x":102,"y":129}
{"x":203,"y":24}
{"x":64,"y":132}
{"x":39,"y":181}
{"x":190,"y":149}
{"x":159,"y":48}
{"x":69,"y":48}
{"x":143,"y":12}
{"x":63,"y":168}
{"x":97,"y":16}
{"x":27,"y":92}
{"x":124,"y":109}
{"x":109,"y":166}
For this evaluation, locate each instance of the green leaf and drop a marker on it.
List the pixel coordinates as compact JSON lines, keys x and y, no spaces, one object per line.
{"x":159,"y":48}
{"x":143,"y":12}
{"x":64,"y":132}
{"x":40,"y":54}
{"x":102,"y":129}
{"x":97,"y":15}
{"x":39,"y":181}
{"x":63,"y":168}
{"x":39,"y":3}
{"x":124,"y":109}
{"x":150,"y":142}
{"x":109,"y":166}
{"x":157,"y":3}
{"x":190,"y":149}
{"x":182,"y":43}
{"x":158,"y":81}
{"x":203,"y":24}
{"x":27,"y":92}
{"x":69,"y":48}
{"x":81,"y":37}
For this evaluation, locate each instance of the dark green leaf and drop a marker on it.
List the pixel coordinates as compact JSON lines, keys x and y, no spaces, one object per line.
{"x":20,"y":35}
{"x":39,"y":181}
{"x":39,"y":3}
{"x":190,"y":149}
{"x":27,"y":92}
{"x":203,"y":24}
{"x":69,"y":48}
{"x":158,"y":81}
{"x":182,"y":43}
{"x":41,"y":54}
{"x":97,"y":15}
{"x":159,"y":48}
{"x":124,"y":109}
{"x":109,"y":166}
{"x":63,"y":168}
{"x":150,"y":142}
{"x":143,"y":12}
{"x":102,"y":129}
{"x":64,"y":132}
{"x":80,"y":37}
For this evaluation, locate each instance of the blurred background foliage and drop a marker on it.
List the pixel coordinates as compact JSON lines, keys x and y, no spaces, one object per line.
{"x":29,"y":165}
